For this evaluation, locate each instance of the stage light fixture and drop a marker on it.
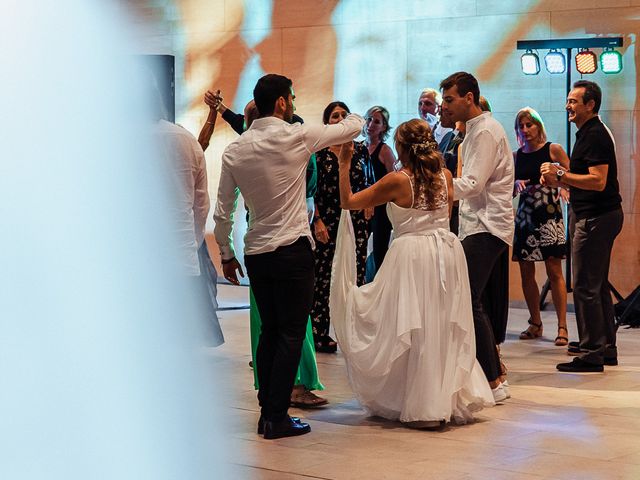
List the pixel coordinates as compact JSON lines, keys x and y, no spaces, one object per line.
{"x":610,"y":61}
{"x":555,"y":62}
{"x":586,"y":62}
{"x":530,"y":63}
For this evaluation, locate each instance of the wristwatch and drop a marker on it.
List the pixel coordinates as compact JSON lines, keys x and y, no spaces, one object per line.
{"x":559,"y":175}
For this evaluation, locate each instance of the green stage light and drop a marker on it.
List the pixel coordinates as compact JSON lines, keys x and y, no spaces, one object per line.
{"x":611,"y":61}
{"x":530,"y":63}
{"x":586,"y":62}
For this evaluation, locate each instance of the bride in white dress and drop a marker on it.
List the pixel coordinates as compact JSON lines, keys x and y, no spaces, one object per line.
{"x":408,"y":337}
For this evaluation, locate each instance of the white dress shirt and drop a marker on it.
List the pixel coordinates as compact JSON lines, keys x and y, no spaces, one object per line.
{"x":183,"y":158}
{"x":439,"y":131}
{"x":268,"y":165}
{"x":485,"y":188}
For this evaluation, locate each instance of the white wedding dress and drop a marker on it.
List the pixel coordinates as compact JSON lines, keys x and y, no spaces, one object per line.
{"x":408,"y":337}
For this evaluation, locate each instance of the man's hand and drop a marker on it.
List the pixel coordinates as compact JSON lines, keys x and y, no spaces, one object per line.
{"x":214,"y":100}
{"x":548,"y":171}
{"x":229,"y":269}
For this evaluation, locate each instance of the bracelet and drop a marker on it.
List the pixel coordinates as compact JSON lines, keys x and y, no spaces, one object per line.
{"x":224,"y":262}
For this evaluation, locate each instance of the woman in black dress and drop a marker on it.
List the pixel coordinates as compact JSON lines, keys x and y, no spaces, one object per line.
{"x":539,"y":230}
{"x":326,"y":219}
{"x":376,"y":130}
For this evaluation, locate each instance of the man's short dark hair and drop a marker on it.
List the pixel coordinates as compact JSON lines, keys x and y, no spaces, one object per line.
{"x":268,"y":89}
{"x":465,"y":82}
{"x":591,"y":92}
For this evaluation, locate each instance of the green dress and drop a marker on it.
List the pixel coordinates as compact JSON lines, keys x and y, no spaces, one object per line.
{"x":307,"y":370}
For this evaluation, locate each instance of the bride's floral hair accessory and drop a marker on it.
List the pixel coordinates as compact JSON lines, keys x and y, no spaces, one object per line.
{"x":427,"y":145}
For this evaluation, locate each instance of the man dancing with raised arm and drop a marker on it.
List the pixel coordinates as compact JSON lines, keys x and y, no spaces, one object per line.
{"x":267,"y":164}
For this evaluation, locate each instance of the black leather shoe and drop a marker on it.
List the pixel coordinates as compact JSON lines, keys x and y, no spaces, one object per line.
{"x":284,"y":428}
{"x":574,"y":350}
{"x":579,"y":366}
{"x":261,"y":424}
{"x":574,"y":344}
{"x":611,"y":361}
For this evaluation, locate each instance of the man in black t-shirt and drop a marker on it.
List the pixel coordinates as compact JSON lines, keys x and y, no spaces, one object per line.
{"x":596,"y":220}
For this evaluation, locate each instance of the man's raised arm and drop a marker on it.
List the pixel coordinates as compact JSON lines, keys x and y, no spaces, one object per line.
{"x":317,"y":137}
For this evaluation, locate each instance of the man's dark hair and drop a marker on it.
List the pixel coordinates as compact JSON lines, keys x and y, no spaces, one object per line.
{"x":329,"y":110}
{"x":268,"y":89}
{"x":591,"y":92}
{"x":465,"y":82}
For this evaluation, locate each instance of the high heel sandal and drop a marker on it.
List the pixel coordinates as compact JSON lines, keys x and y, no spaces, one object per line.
{"x":562,"y":340}
{"x":307,"y":399}
{"x":533,"y":331}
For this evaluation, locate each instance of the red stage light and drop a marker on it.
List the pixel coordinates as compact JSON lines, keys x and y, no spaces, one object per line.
{"x":586,"y":62}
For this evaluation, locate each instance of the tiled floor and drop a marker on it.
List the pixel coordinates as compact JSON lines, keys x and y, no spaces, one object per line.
{"x":555,"y":426}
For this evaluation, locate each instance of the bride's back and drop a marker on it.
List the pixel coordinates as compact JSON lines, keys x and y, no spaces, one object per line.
{"x":429,"y":209}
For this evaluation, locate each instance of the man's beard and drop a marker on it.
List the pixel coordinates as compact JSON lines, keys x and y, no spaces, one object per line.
{"x":288,"y":114}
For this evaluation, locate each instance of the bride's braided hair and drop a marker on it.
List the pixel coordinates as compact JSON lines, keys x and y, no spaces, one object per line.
{"x":422,"y":156}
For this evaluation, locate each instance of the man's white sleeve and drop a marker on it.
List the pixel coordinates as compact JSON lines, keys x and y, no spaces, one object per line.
{"x":317,"y":137}
{"x":479,"y":162}
{"x":201,"y":202}
{"x":225,"y":208}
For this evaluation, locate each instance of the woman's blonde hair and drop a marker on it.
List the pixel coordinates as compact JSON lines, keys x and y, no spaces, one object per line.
{"x":421,"y":156}
{"x":384,"y":113}
{"x":531,"y":114}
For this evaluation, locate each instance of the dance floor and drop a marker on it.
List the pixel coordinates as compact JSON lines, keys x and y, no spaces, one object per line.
{"x":555,"y":426}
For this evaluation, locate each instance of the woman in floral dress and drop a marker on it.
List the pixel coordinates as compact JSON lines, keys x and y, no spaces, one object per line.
{"x":539,"y":230}
{"x":326,"y":219}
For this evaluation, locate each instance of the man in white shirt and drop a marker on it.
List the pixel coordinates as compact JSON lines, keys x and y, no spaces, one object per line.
{"x":181,"y":154}
{"x":484,"y":189}
{"x":267,"y":164}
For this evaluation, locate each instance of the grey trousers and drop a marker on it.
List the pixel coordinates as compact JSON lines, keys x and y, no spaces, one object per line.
{"x":592,"y":241}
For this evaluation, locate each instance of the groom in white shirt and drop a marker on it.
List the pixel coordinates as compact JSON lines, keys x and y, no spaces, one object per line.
{"x":267,"y":164}
{"x":484,"y":189}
